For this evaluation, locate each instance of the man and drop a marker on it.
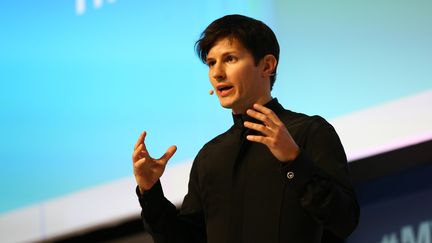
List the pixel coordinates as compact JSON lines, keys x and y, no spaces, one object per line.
{"x":274,"y":176}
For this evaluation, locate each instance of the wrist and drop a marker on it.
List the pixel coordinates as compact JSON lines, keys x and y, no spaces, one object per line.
{"x":141,"y":191}
{"x":292,"y":155}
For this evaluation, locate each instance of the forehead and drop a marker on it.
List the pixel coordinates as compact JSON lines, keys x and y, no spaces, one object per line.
{"x":226,"y":45}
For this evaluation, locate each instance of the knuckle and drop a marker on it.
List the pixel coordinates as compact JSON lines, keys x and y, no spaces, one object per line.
{"x":136,"y":167}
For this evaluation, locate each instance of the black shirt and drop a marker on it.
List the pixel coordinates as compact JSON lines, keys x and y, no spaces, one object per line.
{"x":239,"y":192}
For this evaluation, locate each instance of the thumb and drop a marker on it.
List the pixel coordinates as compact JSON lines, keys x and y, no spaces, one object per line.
{"x":168,"y":154}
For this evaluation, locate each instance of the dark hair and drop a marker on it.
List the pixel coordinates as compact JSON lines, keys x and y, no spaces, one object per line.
{"x":253,"y":34}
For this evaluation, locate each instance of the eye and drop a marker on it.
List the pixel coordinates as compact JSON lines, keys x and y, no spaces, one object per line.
{"x":211,"y":63}
{"x":230,"y":58}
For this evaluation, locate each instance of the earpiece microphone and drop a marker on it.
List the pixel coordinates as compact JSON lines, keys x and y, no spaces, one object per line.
{"x":211,"y":92}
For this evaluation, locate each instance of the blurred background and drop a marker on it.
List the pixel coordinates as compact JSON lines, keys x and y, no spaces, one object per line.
{"x":81,"y":79}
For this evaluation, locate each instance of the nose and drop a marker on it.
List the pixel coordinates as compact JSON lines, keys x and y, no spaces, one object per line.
{"x":217,"y":72}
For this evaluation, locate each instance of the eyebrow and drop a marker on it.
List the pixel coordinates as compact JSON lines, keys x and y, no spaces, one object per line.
{"x":223,"y":55}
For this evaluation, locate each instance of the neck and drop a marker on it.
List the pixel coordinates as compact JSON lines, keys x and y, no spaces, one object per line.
{"x":260,"y":101}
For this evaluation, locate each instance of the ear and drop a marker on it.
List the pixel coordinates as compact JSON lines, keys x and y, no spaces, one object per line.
{"x":268,"y":65}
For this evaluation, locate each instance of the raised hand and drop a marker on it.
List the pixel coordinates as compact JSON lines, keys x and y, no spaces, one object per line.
{"x":148,"y":170}
{"x":274,"y":134}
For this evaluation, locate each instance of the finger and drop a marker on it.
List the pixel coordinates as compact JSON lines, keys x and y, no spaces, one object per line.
{"x":144,"y":147}
{"x":261,"y":117}
{"x":268,"y":112}
{"x":139,"y":153}
{"x":136,"y":152}
{"x":168,"y":154}
{"x":140,"y":140}
{"x":258,"y":127}
{"x":139,"y":162}
{"x":258,"y":139}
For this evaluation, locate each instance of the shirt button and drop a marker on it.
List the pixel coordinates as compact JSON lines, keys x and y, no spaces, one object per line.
{"x":290,"y":175}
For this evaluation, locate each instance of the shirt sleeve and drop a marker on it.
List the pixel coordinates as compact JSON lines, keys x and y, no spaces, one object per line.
{"x":167,"y":224}
{"x":320,"y":177}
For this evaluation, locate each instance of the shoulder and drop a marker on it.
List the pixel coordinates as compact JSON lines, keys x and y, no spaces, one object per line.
{"x":307,"y":130}
{"x":302,"y":121}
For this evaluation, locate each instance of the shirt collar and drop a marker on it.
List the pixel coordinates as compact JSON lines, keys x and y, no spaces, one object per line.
{"x":239,"y":119}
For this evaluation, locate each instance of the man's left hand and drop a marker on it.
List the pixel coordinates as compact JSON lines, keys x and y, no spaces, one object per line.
{"x":274,"y":134}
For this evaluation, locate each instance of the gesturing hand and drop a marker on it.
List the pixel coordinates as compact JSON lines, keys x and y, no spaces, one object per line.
{"x":274,"y":134}
{"x":148,"y":170}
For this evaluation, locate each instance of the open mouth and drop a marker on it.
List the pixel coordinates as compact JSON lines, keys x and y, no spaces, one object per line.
{"x":224,"y":90}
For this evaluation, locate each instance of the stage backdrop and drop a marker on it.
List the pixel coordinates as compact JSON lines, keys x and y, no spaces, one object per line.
{"x":81,"y":79}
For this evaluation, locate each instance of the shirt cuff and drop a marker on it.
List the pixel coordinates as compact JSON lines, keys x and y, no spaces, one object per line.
{"x":299,"y":172}
{"x":153,"y":194}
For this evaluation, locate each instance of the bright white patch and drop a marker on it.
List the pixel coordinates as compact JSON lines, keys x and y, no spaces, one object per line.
{"x":97,"y":3}
{"x":393,"y":125}
{"x":80,"y":6}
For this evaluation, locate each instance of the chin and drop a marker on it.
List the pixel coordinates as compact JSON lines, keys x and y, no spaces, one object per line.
{"x":234,"y":102}
{"x":226,"y":105}
{"x":230,"y":105}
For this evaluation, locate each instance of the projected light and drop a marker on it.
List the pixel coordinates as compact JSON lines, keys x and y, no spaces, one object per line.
{"x":80,"y":5}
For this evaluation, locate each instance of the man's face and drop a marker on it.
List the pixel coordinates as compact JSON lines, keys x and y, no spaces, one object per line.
{"x":238,"y":82}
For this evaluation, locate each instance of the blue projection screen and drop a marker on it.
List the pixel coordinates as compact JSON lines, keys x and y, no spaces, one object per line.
{"x":81,"y":79}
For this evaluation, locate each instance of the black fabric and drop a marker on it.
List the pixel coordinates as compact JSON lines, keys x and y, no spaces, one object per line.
{"x":239,"y":192}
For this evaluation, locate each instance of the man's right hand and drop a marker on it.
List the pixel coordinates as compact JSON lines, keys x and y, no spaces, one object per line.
{"x":147,"y":170}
